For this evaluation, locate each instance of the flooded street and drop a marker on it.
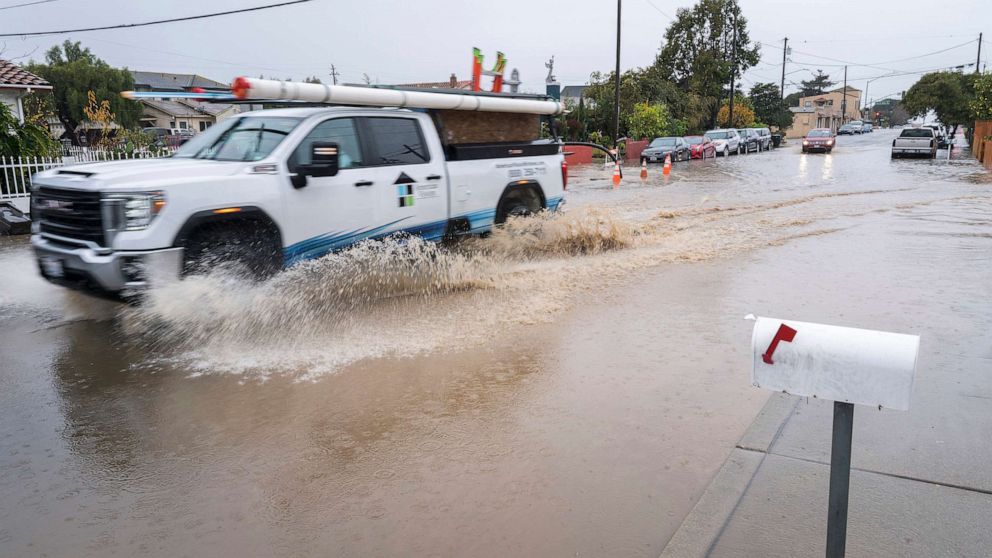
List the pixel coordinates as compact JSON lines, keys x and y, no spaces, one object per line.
{"x":566,"y":387}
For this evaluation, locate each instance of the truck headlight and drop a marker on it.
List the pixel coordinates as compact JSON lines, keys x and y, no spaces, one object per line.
{"x":137,"y":209}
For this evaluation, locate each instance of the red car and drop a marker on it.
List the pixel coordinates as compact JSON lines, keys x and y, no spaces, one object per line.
{"x":700,"y":147}
{"x":819,"y":139}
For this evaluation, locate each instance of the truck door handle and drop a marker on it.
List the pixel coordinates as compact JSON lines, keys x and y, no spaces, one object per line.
{"x":361,"y":183}
{"x":434,"y":177}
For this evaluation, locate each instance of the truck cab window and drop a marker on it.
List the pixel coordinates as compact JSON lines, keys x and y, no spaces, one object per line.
{"x":340,"y":130}
{"x":398,"y":141}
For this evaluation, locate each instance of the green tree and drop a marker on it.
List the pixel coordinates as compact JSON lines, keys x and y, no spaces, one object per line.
{"x":642,"y":85}
{"x":648,"y":121}
{"x":949,"y":95}
{"x":769,"y":107}
{"x":24,"y":140}
{"x":981,"y":105}
{"x":698,"y":57}
{"x":74,"y":71}
{"x":816,"y":86}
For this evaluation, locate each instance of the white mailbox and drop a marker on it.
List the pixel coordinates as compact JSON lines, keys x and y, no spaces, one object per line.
{"x":837,"y":363}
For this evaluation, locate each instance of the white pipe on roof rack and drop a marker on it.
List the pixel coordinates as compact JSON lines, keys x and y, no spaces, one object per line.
{"x":270,"y":89}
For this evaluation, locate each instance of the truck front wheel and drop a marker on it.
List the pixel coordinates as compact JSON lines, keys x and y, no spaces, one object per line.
{"x":249,"y":247}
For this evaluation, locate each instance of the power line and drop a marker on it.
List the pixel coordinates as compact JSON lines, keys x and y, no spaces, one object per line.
{"x":146,"y":23}
{"x":660,"y":11}
{"x":12,"y":6}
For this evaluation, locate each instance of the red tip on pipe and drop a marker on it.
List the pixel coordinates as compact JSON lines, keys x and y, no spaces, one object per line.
{"x":240,"y":88}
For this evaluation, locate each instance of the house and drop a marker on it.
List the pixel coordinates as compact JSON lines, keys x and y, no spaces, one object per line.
{"x":159,"y":81}
{"x":15,"y":83}
{"x":824,"y":111}
{"x":182,"y":114}
{"x":571,"y":94}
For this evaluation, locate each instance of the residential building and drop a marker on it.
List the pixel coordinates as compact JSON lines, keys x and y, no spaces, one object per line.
{"x":184,"y":114}
{"x":15,"y":83}
{"x":181,"y":114}
{"x":571,"y":94}
{"x":824,"y":111}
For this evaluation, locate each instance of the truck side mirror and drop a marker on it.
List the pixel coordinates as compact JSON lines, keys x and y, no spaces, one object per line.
{"x":324,"y":159}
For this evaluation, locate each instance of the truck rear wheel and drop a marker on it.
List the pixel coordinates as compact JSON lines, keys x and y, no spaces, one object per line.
{"x":519,"y":202}
{"x":248,"y":246}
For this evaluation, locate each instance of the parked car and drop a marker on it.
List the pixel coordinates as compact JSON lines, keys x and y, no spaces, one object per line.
{"x":750,"y":141}
{"x":858,"y":126}
{"x":819,"y":139}
{"x":915,"y":142}
{"x":660,"y":147}
{"x":938,"y":131}
{"x":700,"y":147}
{"x":866,"y":128}
{"x":726,"y":141}
{"x":849,"y":130}
{"x":765,"y":137}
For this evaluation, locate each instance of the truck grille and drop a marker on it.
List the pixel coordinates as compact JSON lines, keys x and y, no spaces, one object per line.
{"x":74,"y":214}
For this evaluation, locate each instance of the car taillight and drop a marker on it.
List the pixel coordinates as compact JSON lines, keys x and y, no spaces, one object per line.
{"x":564,"y":175}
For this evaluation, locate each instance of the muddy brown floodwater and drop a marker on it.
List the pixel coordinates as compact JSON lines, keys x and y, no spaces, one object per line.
{"x":567,"y":387}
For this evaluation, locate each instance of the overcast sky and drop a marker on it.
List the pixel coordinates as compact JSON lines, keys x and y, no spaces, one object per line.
{"x":427,"y":40}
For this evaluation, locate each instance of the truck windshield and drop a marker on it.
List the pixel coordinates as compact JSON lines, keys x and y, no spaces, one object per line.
{"x":248,"y":138}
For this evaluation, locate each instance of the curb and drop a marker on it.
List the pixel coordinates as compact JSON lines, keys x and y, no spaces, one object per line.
{"x":704,"y":524}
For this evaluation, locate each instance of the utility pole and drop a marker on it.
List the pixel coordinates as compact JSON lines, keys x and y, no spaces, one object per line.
{"x":843,"y":104}
{"x":616,"y":94}
{"x":733,"y":74}
{"x":334,"y":74}
{"x":785,"y":49}
{"x":979,"y":59}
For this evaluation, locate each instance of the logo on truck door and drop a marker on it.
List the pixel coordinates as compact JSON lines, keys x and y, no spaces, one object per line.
{"x":404,"y":190}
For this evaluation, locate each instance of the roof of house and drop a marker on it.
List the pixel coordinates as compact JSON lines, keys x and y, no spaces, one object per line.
{"x":160,"y":81}
{"x":573,"y":91}
{"x":187,"y":107}
{"x":841,"y":89}
{"x":12,"y":75}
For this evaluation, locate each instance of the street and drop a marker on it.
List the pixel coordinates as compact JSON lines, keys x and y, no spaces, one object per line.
{"x":569,"y":385}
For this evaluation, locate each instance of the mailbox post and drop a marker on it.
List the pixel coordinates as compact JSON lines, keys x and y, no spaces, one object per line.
{"x":845,"y":365}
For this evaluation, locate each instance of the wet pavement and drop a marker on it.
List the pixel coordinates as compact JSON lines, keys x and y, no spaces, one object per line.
{"x":566,"y":387}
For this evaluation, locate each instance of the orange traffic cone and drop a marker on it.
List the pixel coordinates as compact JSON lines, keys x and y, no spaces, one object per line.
{"x":644,"y":170}
{"x":668,"y":165}
{"x":616,"y":173}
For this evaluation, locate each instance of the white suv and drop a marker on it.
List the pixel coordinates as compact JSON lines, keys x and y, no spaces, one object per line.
{"x":726,"y":140}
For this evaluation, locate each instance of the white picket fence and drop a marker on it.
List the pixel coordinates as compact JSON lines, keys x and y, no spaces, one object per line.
{"x":16,"y":173}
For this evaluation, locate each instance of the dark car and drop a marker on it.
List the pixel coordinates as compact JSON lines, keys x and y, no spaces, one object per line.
{"x":749,"y":140}
{"x":701,"y":147}
{"x":659,"y":147}
{"x":819,"y":139}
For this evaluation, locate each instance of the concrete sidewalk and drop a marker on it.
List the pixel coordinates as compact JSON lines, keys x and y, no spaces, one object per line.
{"x":921,"y":484}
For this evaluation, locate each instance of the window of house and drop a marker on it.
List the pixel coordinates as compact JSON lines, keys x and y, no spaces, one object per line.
{"x":808,"y":104}
{"x":172,"y":123}
{"x":339,"y":130}
{"x":183,"y":125}
{"x":204,"y":125}
{"x":397,"y":141}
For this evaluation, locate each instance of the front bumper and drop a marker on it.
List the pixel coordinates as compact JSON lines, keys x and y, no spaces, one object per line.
{"x":817,"y":147}
{"x":655,"y":157}
{"x":103,"y":271}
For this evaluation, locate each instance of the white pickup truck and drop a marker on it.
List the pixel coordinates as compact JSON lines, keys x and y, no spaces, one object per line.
{"x":915,"y":142}
{"x":275,"y":187}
